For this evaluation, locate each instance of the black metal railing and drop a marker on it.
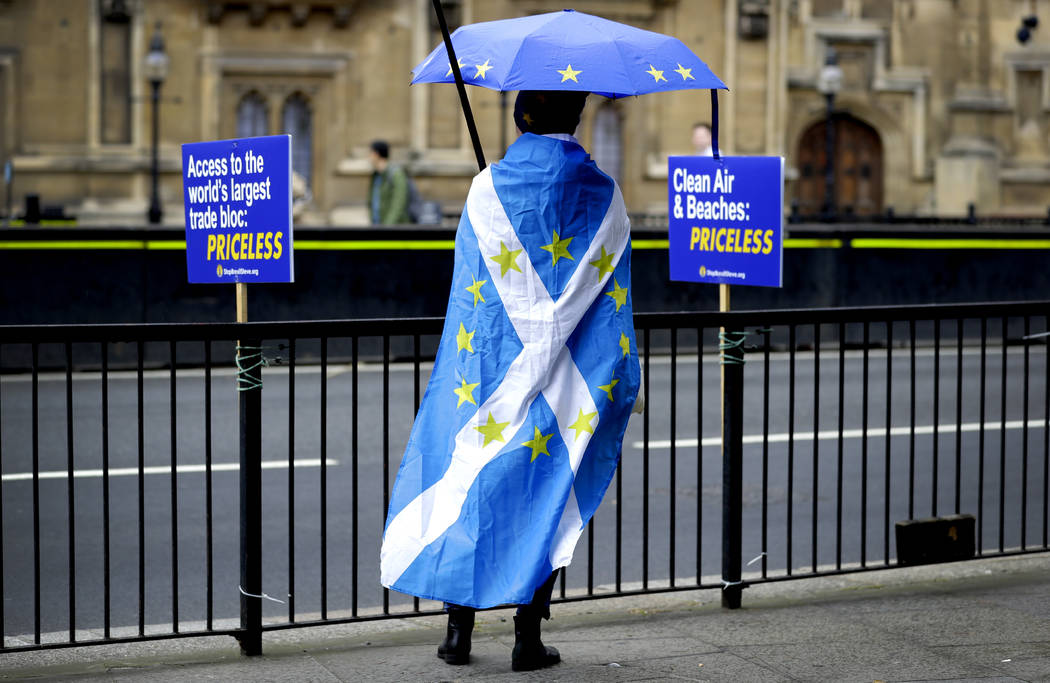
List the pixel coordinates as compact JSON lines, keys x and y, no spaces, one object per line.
{"x":136,"y":504}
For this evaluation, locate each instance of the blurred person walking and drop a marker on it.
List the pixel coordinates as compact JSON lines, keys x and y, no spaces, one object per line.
{"x":702,"y":140}
{"x":389,"y":192}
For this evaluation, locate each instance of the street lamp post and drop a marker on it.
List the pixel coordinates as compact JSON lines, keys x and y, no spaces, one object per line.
{"x":156,"y":71}
{"x":829,"y":83}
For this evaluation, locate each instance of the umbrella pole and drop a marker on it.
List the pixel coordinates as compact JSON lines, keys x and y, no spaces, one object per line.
{"x":502,"y":121}
{"x":454,"y":64}
{"x":714,"y":132}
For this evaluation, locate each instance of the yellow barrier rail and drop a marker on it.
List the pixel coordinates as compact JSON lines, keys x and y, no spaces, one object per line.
{"x":446,"y":245}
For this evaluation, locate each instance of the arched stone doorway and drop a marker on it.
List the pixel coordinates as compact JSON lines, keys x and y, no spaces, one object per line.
{"x":858,"y":167}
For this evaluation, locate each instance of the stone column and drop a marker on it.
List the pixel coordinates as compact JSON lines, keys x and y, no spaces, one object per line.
{"x":968,"y":165}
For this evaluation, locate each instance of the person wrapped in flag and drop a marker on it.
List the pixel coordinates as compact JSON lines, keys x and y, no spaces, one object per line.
{"x":520,"y":430}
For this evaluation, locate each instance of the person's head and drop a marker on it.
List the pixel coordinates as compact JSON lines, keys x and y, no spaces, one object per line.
{"x":701,"y":136}
{"x":549,"y":111}
{"x":379,"y":154}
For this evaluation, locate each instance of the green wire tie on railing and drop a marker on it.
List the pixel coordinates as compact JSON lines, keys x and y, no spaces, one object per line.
{"x":732,"y":350}
{"x":245,"y":382}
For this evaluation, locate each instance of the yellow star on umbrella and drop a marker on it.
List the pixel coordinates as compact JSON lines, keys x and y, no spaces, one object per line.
{"x":608,"y":388}
{"x":507,"y":259}
{"x":459,"y":61}
{"x":686,"y":74}
{"x":618,"y":294}
{"x":656,"y":74}
{"x":625,"y":344}
{"x":569,"y":74}
{"x":559,"y":248}
{"x":465,"y":392}
{"x":482,"y":69}
{"x":463,"y":339}
{"x":538,"y":444}
{"x":603,"y":264}
{"x":492,"y":430}
{"x":583,"y":423}
{"x":475,"y":289}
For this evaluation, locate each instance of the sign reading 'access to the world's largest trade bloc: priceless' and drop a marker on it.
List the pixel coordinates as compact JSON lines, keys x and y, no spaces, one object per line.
{"x":238,"y":199}
{"x":726,"y":219}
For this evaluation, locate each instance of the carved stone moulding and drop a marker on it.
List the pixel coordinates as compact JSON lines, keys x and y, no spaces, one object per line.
{"x":340,"y":11}
{"x":619,"y":10}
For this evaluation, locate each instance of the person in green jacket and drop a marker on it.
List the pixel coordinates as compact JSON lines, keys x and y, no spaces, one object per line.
{"x":389,"y":191}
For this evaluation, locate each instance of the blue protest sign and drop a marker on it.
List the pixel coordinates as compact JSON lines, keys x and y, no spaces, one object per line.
{"x":238,"y":199}
{"x":726,"y":219}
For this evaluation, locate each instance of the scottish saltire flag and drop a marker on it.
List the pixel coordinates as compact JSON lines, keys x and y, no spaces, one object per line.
{"x":520,"y":429}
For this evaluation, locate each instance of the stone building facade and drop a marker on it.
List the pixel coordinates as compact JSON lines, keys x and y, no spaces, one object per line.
{"x":941,"y":104}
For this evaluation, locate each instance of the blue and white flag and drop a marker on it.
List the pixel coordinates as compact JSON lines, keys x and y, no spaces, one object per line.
{"x":520,"y":430}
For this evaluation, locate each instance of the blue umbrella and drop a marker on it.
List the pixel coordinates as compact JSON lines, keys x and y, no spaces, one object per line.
{"x":568,"y":50}
{"x":565,"y":50}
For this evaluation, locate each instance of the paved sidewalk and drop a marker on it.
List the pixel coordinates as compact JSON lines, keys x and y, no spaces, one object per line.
{"x":981,"y":620}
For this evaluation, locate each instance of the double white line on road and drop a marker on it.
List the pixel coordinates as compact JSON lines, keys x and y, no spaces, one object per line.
{"x":827,"y":435}
{"x":164,"y":469}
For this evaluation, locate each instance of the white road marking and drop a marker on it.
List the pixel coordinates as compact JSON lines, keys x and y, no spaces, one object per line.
{"x":164,"y":469}
{"x":830,"y":434}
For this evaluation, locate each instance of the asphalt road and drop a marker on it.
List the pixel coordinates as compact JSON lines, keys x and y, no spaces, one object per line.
{"x":669,"y":476}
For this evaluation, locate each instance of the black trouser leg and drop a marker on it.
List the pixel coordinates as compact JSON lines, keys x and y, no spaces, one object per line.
{"x":541,"y":598}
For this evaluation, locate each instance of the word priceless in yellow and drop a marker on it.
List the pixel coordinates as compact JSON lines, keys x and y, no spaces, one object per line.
{"x":246,"y":246}
{"x":731,"y":240}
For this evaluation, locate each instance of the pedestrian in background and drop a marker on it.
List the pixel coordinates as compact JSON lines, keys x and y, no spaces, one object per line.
{"x":389,"y":193}
{"x":702,"y":140}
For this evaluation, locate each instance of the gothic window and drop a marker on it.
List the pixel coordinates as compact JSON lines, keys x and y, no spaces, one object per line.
{"x":296,"y":121}
{"x":115,"y":72}
{"x":877,"y":9}
{"x":606,"y":146}
{"x":1030,"y":135}
{"x":827,"y":8}
{"x":453,"y":10}
{"x":252,"y":116}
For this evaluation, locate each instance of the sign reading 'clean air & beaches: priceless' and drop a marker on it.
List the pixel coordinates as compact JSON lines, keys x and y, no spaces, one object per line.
{"x":726,"y":219}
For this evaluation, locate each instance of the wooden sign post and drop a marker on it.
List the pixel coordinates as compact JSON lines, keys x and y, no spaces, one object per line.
{"x":237,"y":196}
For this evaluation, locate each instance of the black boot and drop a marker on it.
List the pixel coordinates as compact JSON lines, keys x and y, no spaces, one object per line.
{"x":529,"y":652}
{"x":456,"y":648}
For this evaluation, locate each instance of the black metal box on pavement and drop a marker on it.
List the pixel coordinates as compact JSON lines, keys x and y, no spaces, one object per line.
{"x":938,"y":539}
